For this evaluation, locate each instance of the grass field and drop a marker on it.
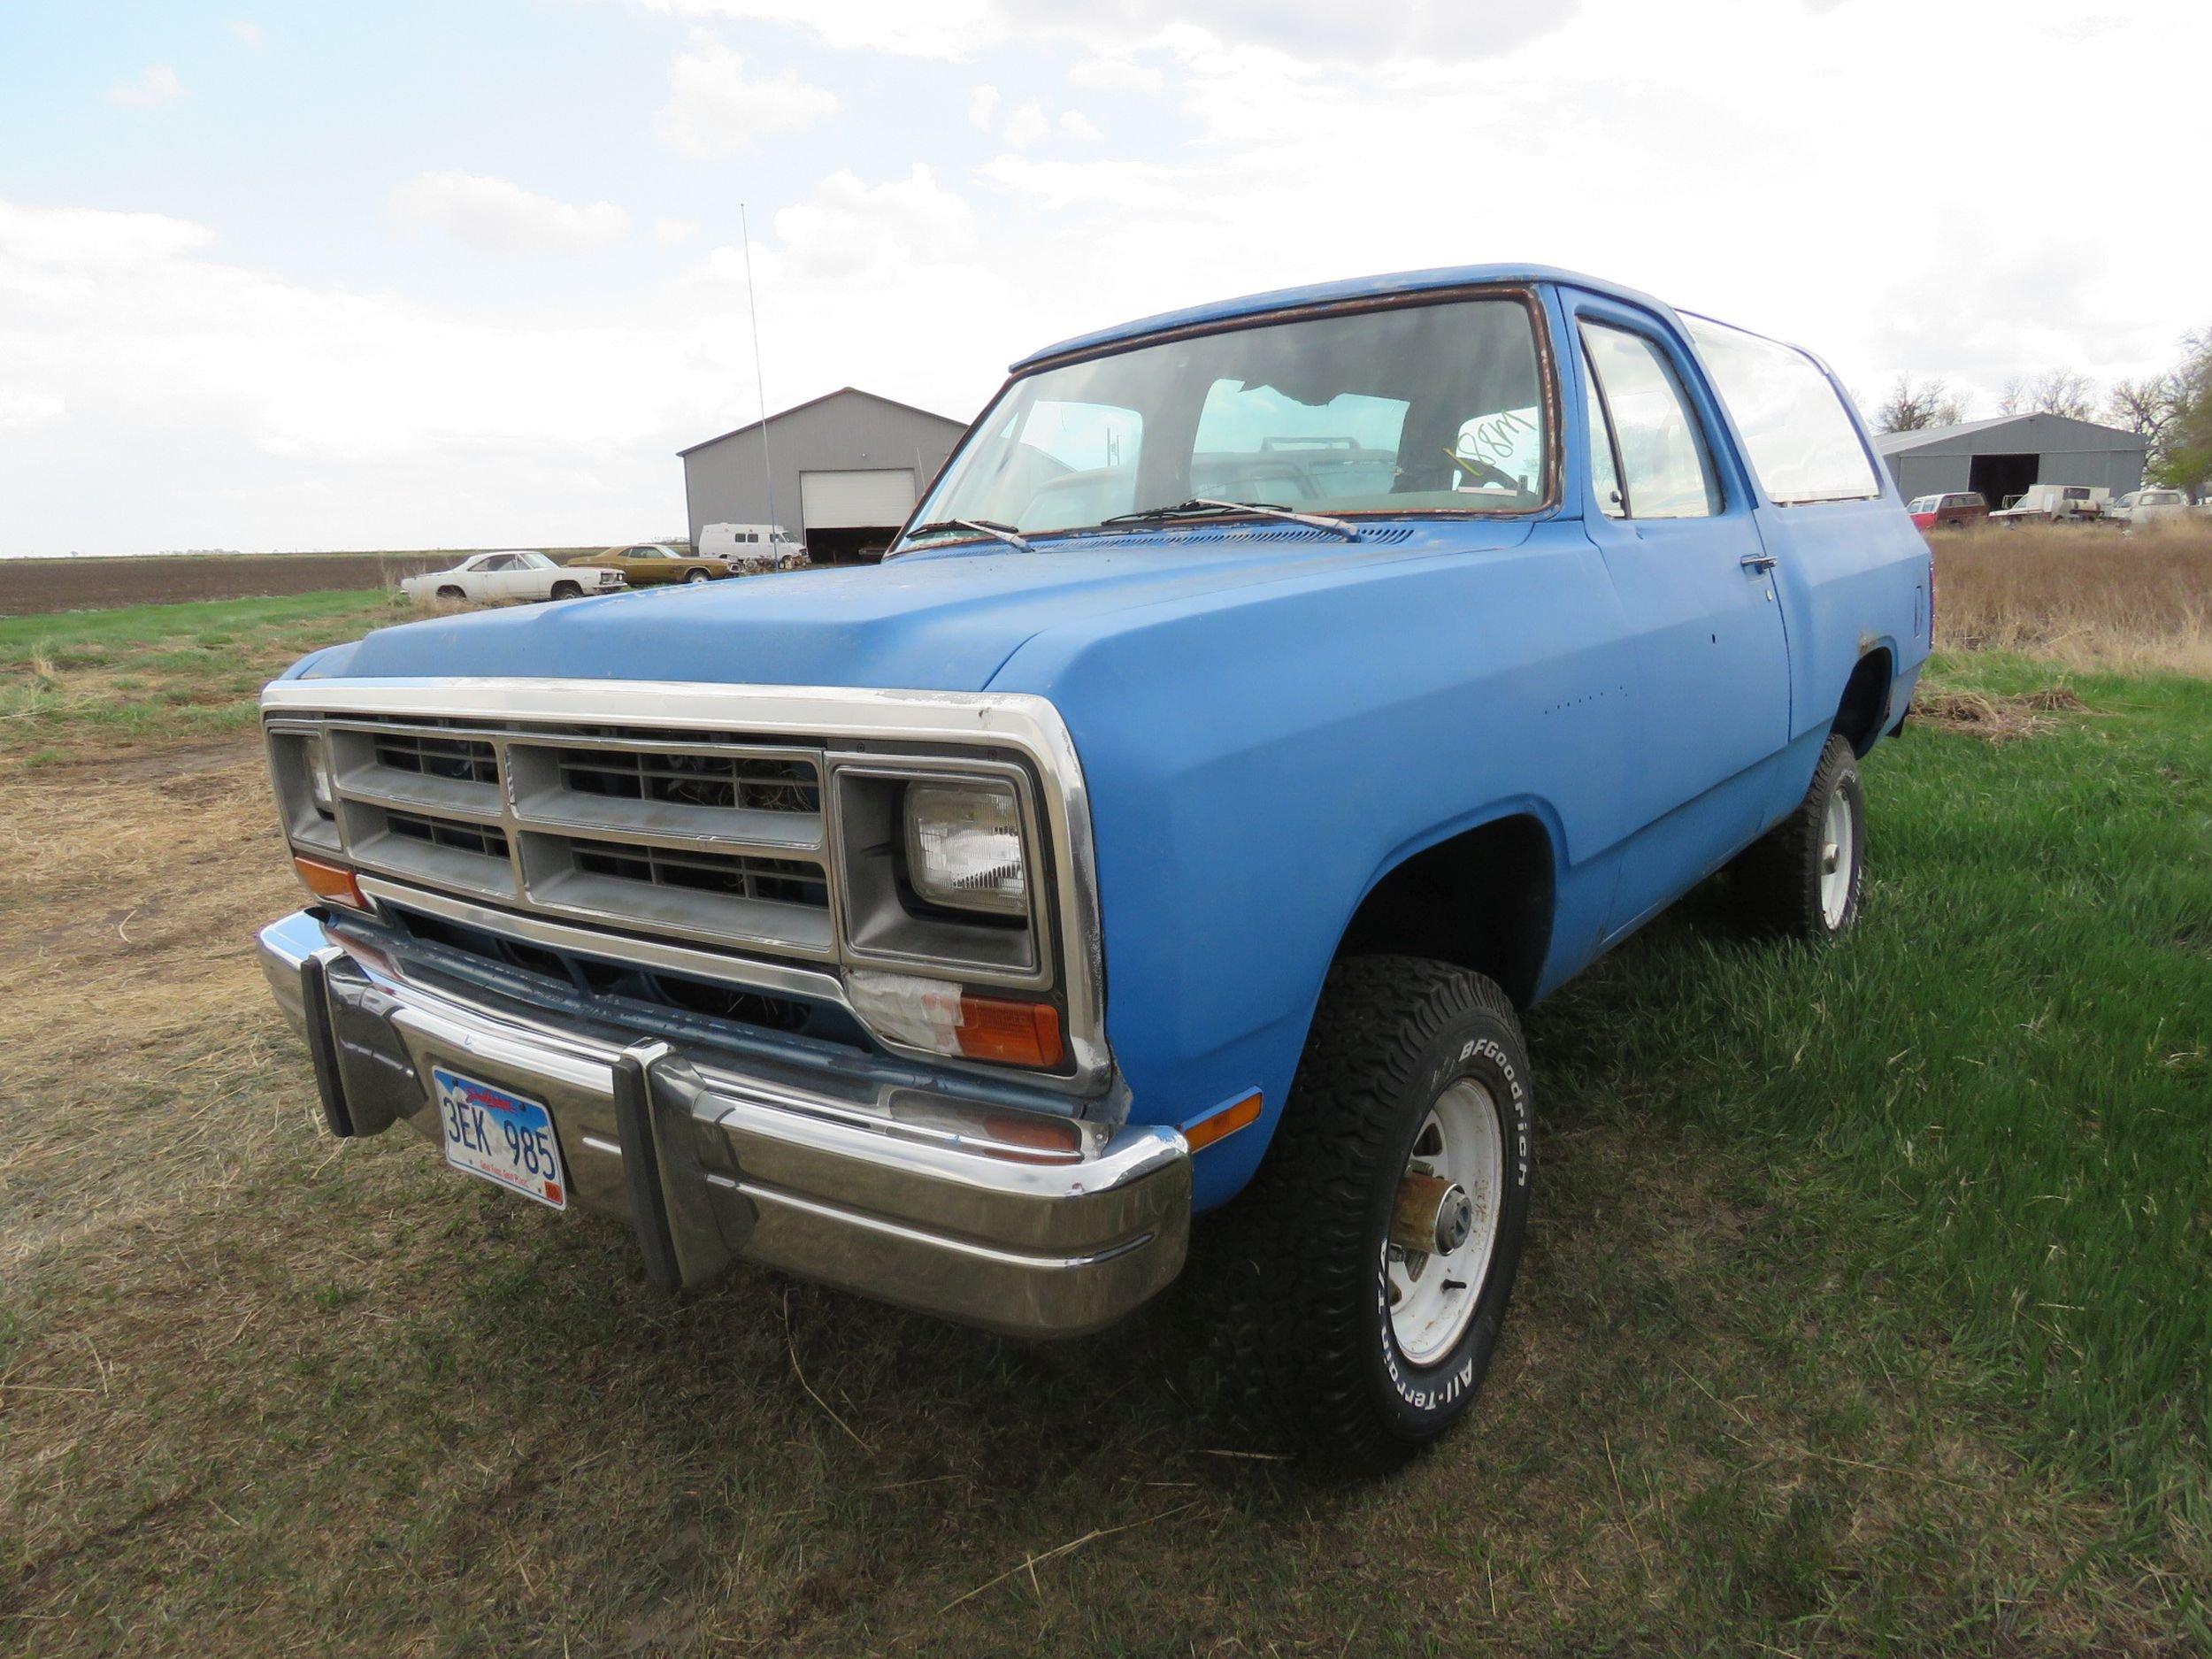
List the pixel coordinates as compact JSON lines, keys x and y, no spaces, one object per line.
{"x":1866,"y":1307}
{"x":30,"y":587}
{"x":2087,"y":596}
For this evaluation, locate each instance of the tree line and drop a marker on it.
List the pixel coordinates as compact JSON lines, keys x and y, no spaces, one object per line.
{"x":2172,"y":412}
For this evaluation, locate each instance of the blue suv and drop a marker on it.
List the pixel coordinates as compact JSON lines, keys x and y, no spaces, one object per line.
{"x":1267,"y":704}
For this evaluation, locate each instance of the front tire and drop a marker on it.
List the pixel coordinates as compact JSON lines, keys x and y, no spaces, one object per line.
{"x":1410,"y":1120}
{"x":1805,"y":877}
{"x":695,"y":576}
{"x":567,"y":590}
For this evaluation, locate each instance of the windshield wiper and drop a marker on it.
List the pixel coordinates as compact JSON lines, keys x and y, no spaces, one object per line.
{"x":1005,"y":532}
{"x":1200,"y":504}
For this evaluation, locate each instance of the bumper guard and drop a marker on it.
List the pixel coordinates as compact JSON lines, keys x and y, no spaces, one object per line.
{"x":909,"y":1194}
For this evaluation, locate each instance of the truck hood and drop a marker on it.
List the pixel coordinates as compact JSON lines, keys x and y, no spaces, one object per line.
{"x":944,"y":620}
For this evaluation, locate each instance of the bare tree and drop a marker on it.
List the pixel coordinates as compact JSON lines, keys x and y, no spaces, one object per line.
{"x":2149,"y":408}
{"x":1914,"y":405}
{"x":2053,"y":392}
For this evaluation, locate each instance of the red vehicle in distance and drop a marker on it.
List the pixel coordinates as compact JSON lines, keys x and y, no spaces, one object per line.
{"x":1954,"y":511}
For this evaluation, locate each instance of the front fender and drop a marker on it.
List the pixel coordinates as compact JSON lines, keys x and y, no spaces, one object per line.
{"x":1256,"y":762}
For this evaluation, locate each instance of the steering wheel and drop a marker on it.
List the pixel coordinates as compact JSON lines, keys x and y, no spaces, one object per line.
{"x":1483,"y":473}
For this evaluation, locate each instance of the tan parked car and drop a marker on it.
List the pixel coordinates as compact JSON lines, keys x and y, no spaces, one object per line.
{"x":650,"y":563}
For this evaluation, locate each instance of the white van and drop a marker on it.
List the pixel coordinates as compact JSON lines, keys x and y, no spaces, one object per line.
{"x":761,"y":546}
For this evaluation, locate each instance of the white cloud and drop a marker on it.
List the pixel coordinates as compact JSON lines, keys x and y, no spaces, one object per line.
{"x":1025,"y":125}
{"x":672,"y":233}
{"x":941,"y":29}
{"x":24,"y":409}
{"x":982,"y":107}
{"x":1121,"y":76}
{"x":498,"y":215}
{"x":1078,"y":128}
{"x":849,"y":231}
{"x":1322,"y":31}
{"x":714,"y":109}
{"x":247,"y":33}
{"x":156,"y":85}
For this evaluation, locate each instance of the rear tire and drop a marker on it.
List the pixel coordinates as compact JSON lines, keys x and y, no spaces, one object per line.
{"x":1352,"y":1346}
{"x":1805,"y":878}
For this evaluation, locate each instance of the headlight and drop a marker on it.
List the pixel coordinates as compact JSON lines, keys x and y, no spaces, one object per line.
{"x":963,"y":846}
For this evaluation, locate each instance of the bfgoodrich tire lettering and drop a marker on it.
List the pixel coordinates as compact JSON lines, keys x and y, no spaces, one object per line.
{"x":1305,"y":1339}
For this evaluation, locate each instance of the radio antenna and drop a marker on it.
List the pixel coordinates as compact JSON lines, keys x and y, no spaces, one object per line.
{"x":760,"y":380}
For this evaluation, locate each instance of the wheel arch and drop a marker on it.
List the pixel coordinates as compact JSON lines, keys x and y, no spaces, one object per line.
{"x":1861,"y":713}
{"x":1481,"y":898}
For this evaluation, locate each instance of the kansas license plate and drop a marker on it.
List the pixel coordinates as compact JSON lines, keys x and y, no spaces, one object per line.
{"x":500,"y":1136}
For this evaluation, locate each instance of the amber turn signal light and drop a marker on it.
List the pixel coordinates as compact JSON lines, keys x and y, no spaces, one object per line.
{"x":1223,"y":1122}
{"x":1018,"y":1033}
{"x":333,"y":883}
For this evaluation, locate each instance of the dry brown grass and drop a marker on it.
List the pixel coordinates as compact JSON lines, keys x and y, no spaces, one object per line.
{"x":2090,"y":596}
{"x":1995,"y":717}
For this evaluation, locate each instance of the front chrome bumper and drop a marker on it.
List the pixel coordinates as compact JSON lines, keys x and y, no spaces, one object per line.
{"x":907,"y":1194}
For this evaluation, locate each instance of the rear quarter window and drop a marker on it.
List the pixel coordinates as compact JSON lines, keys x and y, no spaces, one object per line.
{"x":1797,"y":436}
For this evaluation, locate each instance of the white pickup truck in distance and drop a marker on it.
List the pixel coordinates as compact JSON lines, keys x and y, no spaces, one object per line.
{"x":2053,"y":501}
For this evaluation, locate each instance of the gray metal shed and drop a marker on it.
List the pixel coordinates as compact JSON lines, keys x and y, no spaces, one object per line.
{"x":2004,"y":456}
{"x":843,"y":470}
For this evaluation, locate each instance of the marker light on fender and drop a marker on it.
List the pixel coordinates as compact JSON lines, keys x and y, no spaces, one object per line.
{"x":1223,"y":1121}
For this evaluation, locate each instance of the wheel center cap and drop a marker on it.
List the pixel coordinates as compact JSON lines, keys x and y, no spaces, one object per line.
{"x":1432,"y":1218}
{"x":1455,"y":1220}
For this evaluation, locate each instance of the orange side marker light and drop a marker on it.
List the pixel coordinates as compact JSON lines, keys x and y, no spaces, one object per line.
{"x":1223,"y":1122}
{"x":333,"y":883}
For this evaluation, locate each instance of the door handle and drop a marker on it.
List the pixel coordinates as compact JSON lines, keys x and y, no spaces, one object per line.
{"x":1757,"y":564}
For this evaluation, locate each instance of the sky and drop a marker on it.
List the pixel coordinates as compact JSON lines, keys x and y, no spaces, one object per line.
{"x":396,"y":274}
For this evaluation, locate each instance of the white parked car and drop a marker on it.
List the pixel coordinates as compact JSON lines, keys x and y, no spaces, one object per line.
{"x":748,"y":548}
{"x":517,"y":574}
{"x":2148,"y":506}
{"x":2055,"y":502}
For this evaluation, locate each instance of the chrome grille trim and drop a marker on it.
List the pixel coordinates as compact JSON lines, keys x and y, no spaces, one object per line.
{"x":493,"y":809}
{"x":784,"y":720}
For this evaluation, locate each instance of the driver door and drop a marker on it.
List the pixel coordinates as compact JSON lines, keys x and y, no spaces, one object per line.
{"x":1671,"y":515}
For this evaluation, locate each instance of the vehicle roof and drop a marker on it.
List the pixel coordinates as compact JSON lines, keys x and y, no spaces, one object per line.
{"x":1345,"y":289}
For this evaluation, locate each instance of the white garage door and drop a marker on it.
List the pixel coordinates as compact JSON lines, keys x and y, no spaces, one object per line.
{"x":853,"y":501}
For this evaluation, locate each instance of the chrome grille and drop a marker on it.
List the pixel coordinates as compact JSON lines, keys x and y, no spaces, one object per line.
{"x":467,"y":838}
{"x":777,"y":880}
{"x":690,"y":780}
{"x":710,"y":836}
{"x":462,"y":758}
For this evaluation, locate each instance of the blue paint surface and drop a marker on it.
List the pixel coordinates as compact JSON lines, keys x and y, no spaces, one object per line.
{"x":1269,"y":722}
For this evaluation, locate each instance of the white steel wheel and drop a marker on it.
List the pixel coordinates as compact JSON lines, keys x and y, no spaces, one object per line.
{"x":1838,"y":858}
{"x":1445,"y":1227}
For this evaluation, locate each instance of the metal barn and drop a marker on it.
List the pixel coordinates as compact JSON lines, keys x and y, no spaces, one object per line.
{"x":2003,"y":457}
{"x":843,"y":470}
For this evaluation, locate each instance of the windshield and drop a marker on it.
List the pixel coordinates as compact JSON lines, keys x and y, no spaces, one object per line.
{"x":1427,"y":408}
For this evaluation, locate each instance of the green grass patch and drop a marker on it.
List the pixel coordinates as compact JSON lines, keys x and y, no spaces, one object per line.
{"x":1999,"y":1087}
{"x":150,"y":674}
{"x":21,"y":637}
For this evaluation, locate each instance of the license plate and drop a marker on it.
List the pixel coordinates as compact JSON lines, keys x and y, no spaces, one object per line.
{"x":500,"y":1136}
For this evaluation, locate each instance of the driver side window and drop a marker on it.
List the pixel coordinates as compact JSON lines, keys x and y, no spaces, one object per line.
{"x":1664,"y":469}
